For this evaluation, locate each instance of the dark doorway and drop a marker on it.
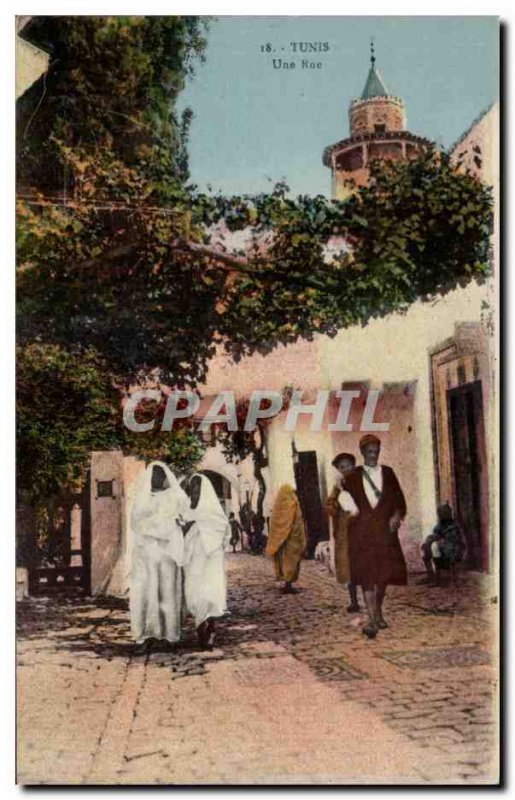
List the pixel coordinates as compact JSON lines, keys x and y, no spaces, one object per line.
{"x":221,"y":485}
{"x":469,"y":473}
{"x":308,"y":491}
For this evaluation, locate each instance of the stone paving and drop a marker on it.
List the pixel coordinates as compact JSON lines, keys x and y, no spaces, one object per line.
{"x":292,"y":694}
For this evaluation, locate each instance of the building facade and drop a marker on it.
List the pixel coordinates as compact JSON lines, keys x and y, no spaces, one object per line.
{"x":435,"y":368}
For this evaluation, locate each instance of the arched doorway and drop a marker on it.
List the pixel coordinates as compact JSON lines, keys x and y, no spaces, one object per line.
{"x":222,"y":487}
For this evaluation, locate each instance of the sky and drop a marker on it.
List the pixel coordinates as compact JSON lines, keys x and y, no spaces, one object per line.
{"x":255,"y":125}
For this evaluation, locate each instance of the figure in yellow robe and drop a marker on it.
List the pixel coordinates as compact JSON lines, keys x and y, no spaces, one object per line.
{"x":287,"y":540}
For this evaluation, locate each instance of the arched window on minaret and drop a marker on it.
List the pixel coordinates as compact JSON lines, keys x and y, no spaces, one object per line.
{"x":377,"y":125}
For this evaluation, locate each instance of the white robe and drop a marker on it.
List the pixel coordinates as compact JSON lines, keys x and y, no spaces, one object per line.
{"x":157,"y":558}
{"x":205,"y":586}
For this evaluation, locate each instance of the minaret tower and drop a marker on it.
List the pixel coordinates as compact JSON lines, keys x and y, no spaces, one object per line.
{"x":377,"y":130}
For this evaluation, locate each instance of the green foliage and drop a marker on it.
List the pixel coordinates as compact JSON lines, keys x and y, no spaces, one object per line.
{"x":181,"y":448}
{"x":66,"y":407}
{"x":95,"y":275}
{"x":418,"y":230}
{"x":112,"y":83}
{"x":98,"y":131}
{"x":120,"y":280}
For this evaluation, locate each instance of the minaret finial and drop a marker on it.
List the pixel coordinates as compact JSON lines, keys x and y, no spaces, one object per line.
{"x":372,"y":52}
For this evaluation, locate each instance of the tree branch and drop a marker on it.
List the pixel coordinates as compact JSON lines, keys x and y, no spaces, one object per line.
{"x":230,"y":262}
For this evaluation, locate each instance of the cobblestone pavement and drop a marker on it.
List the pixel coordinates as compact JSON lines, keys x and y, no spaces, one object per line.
{"x":292,"y":694}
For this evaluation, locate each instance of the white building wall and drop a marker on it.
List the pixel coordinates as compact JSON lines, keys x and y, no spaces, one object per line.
{"x":396,"y":349}
{"x":479,"y":151}
{"x":31,"y":63}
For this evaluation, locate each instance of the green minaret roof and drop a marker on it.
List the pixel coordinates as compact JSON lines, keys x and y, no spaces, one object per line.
{"x":374,"y":87}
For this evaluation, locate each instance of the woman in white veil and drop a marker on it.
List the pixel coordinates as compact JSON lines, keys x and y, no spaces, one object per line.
{"x":157,"y":555}
{"x":206,"y":534}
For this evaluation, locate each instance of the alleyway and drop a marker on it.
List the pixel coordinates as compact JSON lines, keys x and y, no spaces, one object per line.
{"x":293,"y":694}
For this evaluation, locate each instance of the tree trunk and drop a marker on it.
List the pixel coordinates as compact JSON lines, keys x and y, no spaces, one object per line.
{"x":259,"y":519}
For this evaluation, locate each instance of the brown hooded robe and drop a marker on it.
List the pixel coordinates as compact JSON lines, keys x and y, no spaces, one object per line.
{"x":340,"y":520}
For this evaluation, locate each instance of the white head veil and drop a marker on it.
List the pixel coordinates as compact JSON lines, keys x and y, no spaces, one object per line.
{"x":209,"y":516}
{"x":154,"y":514}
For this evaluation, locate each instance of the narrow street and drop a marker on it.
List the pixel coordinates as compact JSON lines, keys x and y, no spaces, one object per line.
{"x":293,"y":693}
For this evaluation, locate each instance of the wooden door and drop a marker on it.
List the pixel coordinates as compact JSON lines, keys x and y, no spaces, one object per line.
{"x":308,"y":491}
{"x":469,"y":474}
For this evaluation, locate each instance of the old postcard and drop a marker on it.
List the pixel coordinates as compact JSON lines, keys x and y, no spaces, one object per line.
{"x":257,"y":400}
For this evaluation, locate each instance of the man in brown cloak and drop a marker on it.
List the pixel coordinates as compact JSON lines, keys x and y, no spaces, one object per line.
{"x":375,"y":553}
{"x":343,"y":463}
{"x":287,"y":540}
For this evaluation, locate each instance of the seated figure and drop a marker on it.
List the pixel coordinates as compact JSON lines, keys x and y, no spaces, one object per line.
{"x":444,"y":547}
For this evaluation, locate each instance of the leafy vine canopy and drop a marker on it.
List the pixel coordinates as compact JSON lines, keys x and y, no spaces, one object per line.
{"x":145,"y":286}
{"x":119,"y":256}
